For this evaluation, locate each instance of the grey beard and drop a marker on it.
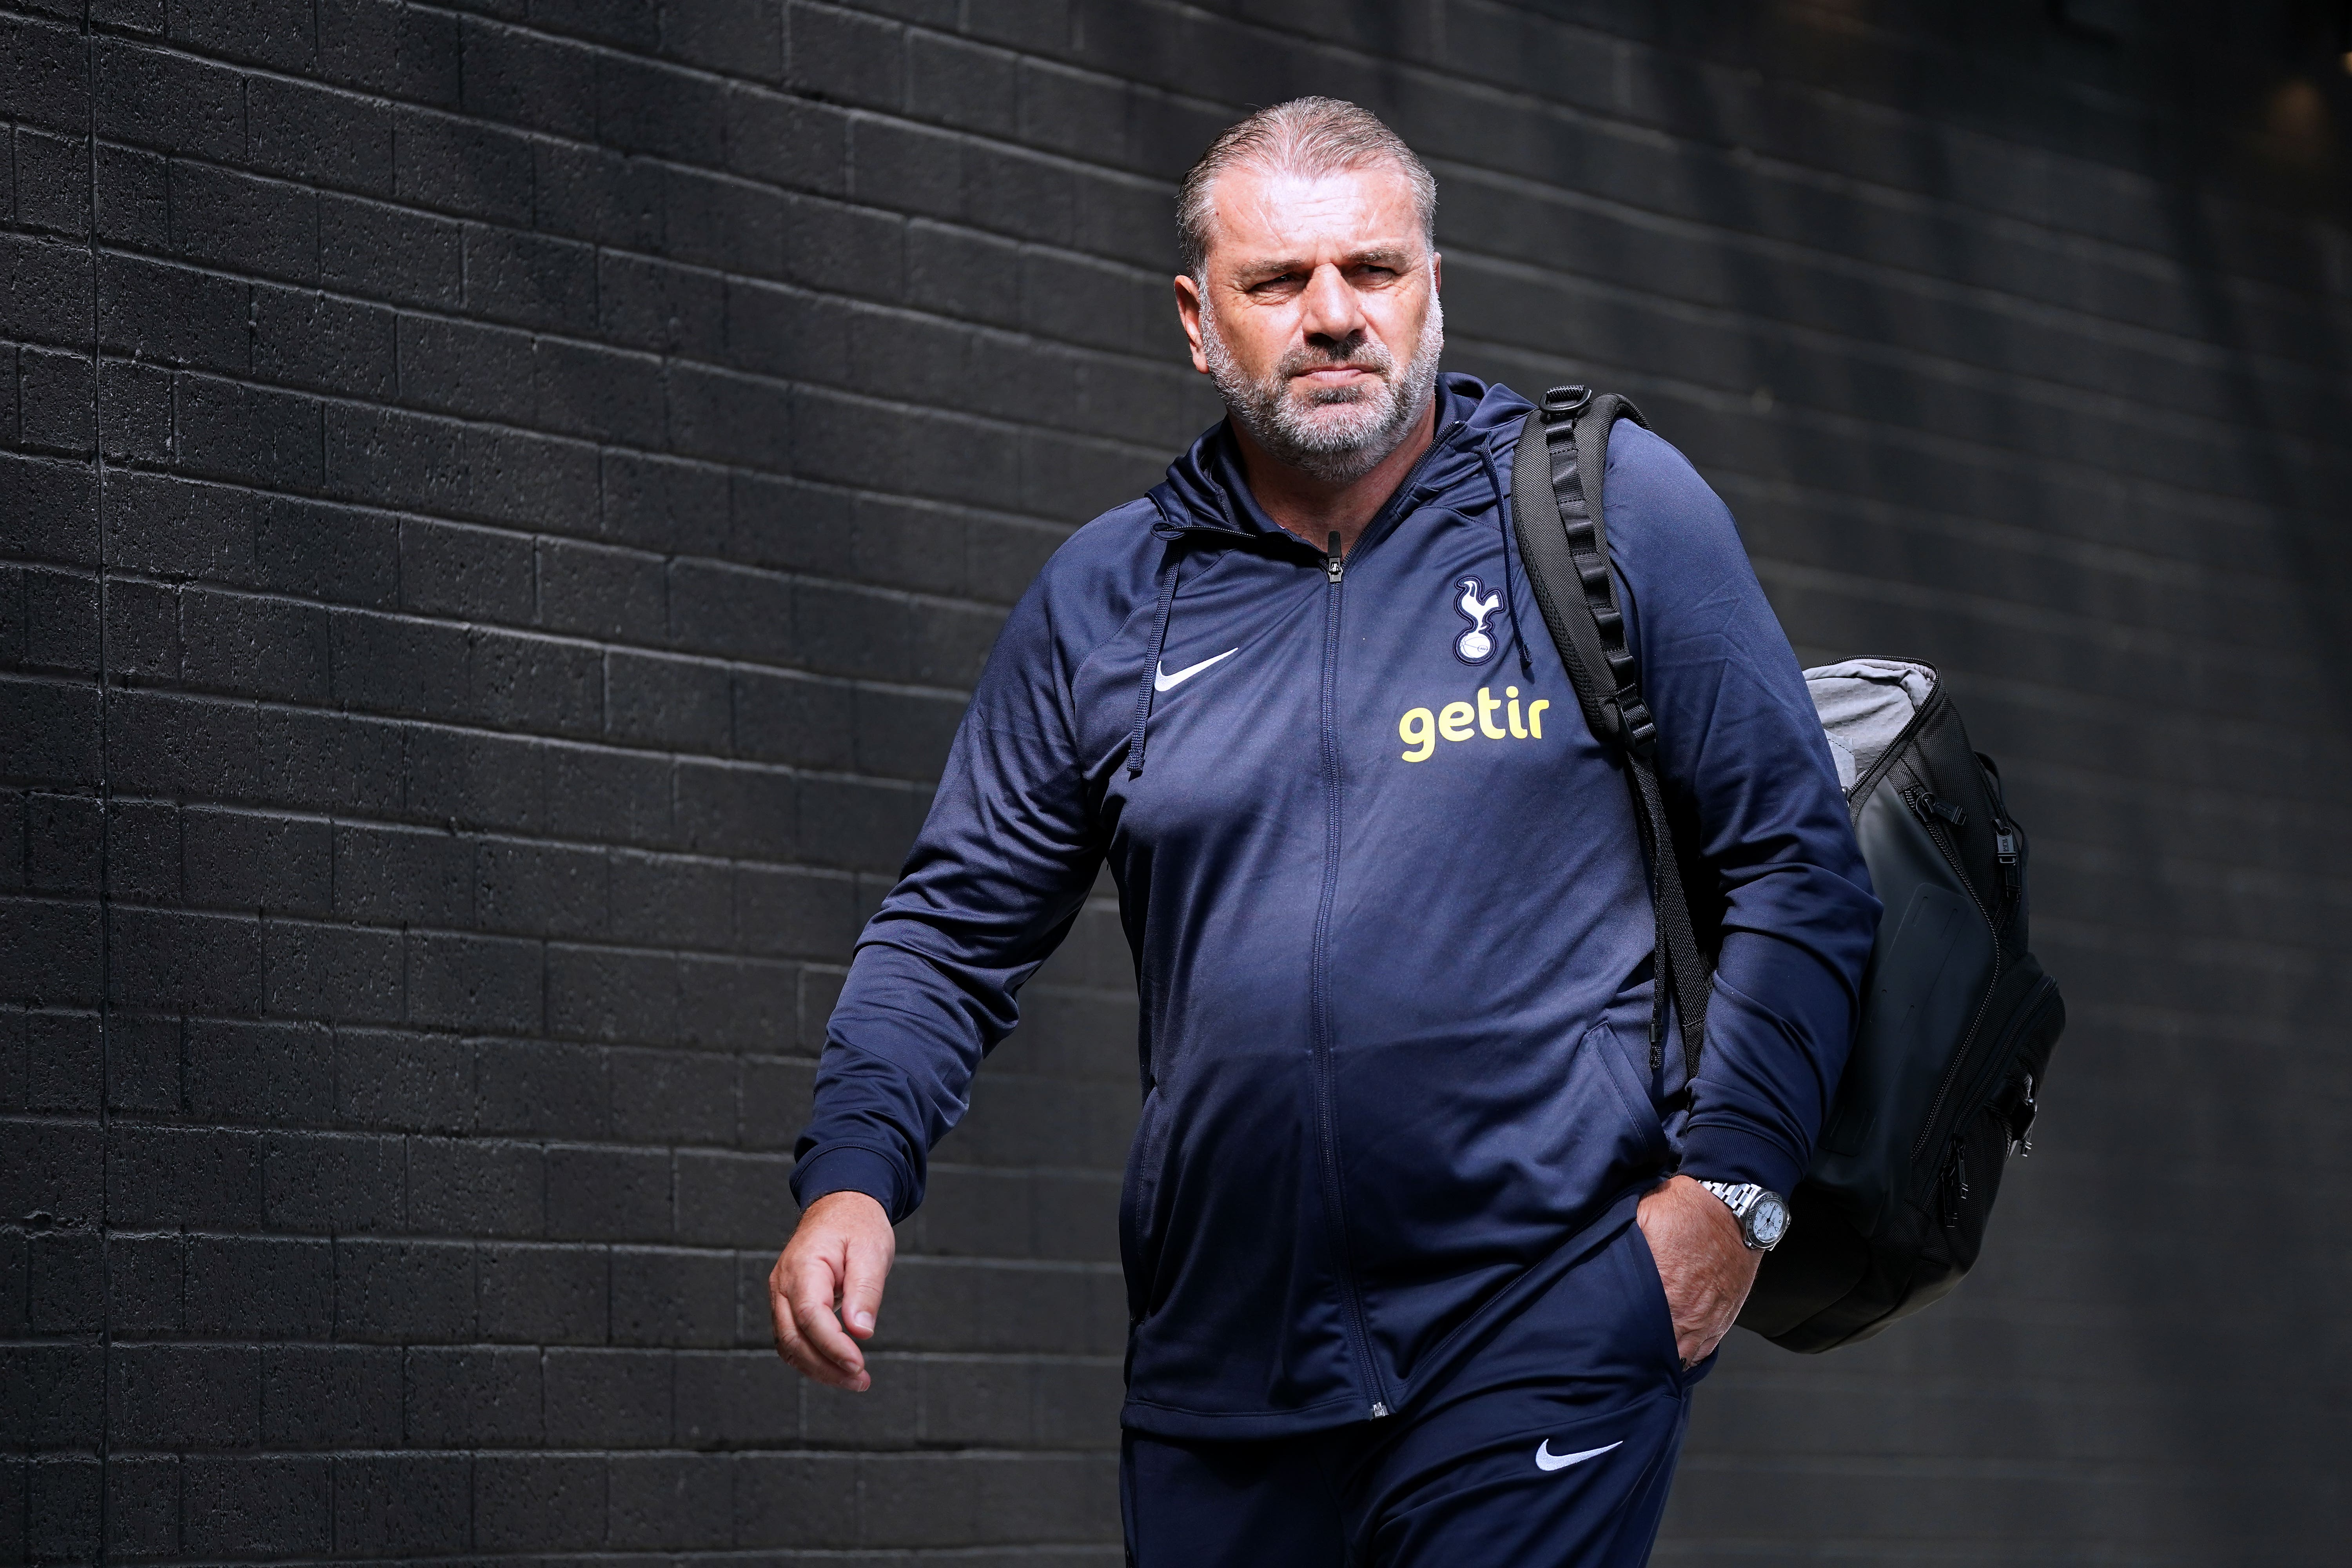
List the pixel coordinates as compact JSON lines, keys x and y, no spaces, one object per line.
{"x":1336,"y":449}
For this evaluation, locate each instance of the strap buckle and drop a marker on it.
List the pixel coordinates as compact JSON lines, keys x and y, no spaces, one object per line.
{"x":1561,"y":403}
{"x":1636,"y":731}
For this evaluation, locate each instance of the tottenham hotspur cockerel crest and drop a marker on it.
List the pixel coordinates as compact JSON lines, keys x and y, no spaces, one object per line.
{"x":1475,"y":605}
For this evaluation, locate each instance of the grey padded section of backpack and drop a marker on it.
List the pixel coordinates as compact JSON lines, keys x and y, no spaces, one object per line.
{"x":1864,"y":704}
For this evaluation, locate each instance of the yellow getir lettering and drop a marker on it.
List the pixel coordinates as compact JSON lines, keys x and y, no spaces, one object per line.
{"x":1487,"y":706}
{"x":1535,"y":716}
{"x":1454,"y":721}
{"x":1418,"y":729}
{"x":1518,"y":730}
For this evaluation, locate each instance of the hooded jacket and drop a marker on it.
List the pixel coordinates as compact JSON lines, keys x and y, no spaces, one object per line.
{"x":1388,"y":906}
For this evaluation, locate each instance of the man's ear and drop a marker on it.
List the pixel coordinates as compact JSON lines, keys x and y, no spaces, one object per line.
{"x":1436,"y":273}
{"x":1188,"y":312}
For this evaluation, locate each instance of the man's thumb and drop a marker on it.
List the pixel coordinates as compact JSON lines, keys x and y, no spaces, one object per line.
{"x":861,"y":1290}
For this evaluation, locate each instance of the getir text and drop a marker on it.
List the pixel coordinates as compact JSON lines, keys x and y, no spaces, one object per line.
{"x":1420,"y":729}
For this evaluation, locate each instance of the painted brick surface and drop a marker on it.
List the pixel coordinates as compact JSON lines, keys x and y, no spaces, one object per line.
{"x":500,"y":503}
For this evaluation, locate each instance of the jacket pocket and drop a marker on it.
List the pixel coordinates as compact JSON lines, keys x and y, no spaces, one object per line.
{"x":1647,"y":1287}
{"x":1138,"y":1239}
{"x":1600,"y":1046}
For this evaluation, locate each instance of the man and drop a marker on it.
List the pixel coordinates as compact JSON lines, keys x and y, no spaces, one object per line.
{"x":1420,"y":1262}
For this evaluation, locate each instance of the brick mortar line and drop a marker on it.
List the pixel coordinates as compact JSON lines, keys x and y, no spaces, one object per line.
{"x":1961,"y":448}
{"x":683,"y":1557}
{"x":1621,"y":121}
{"x":2140,"y":113}
{"x":431,"y":722}
{"x":2156,"y":416}
{"x":2287,"y":375}
{"x":266,"y":915}
{"x":740,"y":1349}
{"x":2055,"y":696}
{"x":2044,"y":312}
{"x":490,"y":836}
{"x":2094,"y":556}
{"x":329,"y":399}
{"x":2081,"y":471}
{"x":2162,"y":267}
{"x":2148,"y":495}
{"x":705,"y":465}
{"x":1830,"y":264}
{"x":2099,"y":557}
{"x":1916,"y":434}
{"x":2304,"y":808}
{"x":106,"y":813}
{"x":1905,"y":203}
{"x":2153,"y":642}
{"x":914,"y":597}
{"x":1715,"y":237}
{"x":2190,"y":949}
{"x":458,"y":315}
{"x":261,"y":175}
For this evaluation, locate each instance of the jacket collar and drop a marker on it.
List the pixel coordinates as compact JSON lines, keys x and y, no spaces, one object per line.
{"x":1204,"y":492}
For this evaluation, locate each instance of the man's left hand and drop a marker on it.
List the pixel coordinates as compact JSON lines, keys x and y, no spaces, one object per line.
{"x":1704,"y":1265}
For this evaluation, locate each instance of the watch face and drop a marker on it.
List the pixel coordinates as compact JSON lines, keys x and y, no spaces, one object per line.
{"x":1768,"y":1222}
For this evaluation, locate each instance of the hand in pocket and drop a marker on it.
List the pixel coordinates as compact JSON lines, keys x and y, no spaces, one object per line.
{"x":1705,"y":1267}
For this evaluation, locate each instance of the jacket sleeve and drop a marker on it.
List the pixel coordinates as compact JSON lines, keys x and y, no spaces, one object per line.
{"x":1003,"y":865}
{"x":1743,"y":757}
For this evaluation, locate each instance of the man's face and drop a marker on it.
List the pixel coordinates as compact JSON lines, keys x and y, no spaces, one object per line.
{"x":1317,"y":314}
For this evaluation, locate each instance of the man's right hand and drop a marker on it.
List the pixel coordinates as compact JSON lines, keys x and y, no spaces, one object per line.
{"x":827,"y":1285}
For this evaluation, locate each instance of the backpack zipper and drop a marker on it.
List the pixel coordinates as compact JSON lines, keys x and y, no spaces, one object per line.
{"x":1940,"y":816}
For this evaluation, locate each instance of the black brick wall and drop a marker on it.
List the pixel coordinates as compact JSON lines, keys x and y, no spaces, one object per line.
{"x":501,"y":503}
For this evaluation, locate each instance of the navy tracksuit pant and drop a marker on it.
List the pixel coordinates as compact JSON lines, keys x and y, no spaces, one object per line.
{"x":1550,"y":1443}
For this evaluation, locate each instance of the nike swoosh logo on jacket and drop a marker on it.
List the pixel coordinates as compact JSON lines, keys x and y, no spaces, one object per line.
{"x":1163,"y":681}
{"x":1390,"y":912}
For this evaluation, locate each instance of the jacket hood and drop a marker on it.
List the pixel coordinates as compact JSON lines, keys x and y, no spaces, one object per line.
{"x":1205,"y":490}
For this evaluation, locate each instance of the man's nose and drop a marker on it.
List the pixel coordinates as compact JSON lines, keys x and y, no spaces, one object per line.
{"x":1330,"y":307}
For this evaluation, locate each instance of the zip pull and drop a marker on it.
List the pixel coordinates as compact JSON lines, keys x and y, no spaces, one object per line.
{"x":1952,"y":1187}
{"x":2020,"y":1115}
{"x":1332,"y":565}
{"x":1928,"y":804}
{"x":2004,"y":844}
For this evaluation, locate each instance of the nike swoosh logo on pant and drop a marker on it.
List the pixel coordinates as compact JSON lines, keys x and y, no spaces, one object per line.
{"x":1548,"y":1461}
{"x":1163,"y":681}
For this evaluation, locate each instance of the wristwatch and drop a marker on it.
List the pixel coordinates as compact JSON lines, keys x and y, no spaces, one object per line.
{"x":1763,"y":1215}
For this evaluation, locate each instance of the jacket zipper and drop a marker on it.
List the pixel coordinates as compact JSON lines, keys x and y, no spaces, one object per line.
{"x":1940,"y":816}
{"x":1325,"y":1112}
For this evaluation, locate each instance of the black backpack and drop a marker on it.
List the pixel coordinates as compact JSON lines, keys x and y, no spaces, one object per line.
{"x":1958,"y":1019}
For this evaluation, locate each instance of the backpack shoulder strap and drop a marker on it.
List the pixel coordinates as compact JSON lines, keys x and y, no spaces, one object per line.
{"x":1556,"y":502}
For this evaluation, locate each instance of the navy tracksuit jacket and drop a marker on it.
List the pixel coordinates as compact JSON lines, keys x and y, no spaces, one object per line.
{"x":1388,"y":912}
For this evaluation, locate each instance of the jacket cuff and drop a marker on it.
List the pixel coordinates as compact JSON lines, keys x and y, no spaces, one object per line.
{"x":847,"y":1168}
{"x":1726,"y":1152}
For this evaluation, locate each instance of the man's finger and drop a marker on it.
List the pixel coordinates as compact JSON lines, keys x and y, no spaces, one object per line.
{"x":861,"y":1288}
{"x":811,"y":1288}
{"x":815,"y":1276}
{"x":789,"y":1343}
{"x":793,"y":1344}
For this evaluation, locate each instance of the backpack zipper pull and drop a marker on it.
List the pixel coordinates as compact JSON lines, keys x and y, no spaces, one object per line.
{"x":2020,"y":1114}
{"x":2004,"y":844}
{"x":1332,"y":565}
{"x":1928,"y":804}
